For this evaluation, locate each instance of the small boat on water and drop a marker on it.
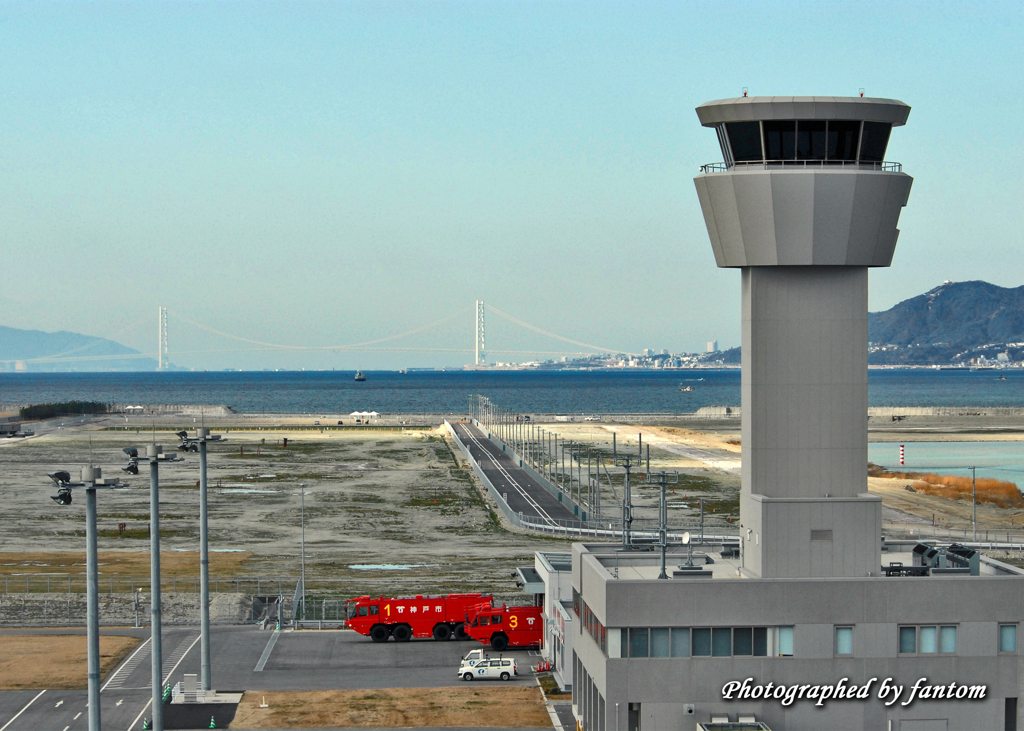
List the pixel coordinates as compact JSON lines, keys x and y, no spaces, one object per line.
{"x":360,"y":376}
{"x":686,"y":388}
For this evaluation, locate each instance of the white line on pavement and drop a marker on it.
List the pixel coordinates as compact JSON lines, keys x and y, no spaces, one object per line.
{"x":21,"y":711}
{"x":124,"y":664}
{"x":166,"y":677}
{"x":266,"y":652}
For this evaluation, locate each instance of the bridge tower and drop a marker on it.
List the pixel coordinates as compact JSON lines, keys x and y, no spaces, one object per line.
{"x":803,"y":206}
{"x":481,"y":353}
{"x":162,"y":359}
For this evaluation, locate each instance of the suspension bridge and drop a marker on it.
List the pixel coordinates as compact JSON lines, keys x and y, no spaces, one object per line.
{"x":240,"y":343}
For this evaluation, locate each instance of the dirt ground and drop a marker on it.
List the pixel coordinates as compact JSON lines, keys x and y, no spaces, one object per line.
{"x":55,"y":661}
{"x":385,"y":511}
{"x":473,"y":705}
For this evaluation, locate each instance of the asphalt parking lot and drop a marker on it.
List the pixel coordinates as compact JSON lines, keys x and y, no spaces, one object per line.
{"x":298,"y":660}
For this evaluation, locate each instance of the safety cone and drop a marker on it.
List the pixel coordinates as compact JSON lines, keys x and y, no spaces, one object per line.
{"x":146,"y":725}
{"x":213,"y":722}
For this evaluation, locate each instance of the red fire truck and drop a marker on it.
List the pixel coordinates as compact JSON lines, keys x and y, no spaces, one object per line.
{"x":403,"y":618}
{"x":505,"y":626}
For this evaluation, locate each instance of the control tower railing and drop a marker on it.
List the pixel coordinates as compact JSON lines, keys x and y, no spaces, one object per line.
{"x":722,"y":167}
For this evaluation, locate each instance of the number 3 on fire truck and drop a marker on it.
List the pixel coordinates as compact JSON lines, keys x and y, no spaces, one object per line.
{"x":513,"y":622}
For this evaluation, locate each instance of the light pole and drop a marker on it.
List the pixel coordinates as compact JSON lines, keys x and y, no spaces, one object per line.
{"x":302,"y":498}
{"x":155,"y":455}
{"x":91,"y":480}
{"x":202,"y":437}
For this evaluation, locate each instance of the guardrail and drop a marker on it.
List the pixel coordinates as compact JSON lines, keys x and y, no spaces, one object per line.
{"x":722,"y":167}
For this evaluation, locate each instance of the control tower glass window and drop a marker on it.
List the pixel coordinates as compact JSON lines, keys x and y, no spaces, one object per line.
{"x":780,"y":140}
{"x":745,"y":140}
{"x":810,"y":140}
{"x":874,"y":141}
{"x":842,"y":140}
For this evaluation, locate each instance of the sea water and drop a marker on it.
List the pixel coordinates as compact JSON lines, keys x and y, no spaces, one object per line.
{"x":637,"y":391}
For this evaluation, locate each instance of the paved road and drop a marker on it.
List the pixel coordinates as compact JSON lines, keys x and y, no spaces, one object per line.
{"x":305,"y":660}
{"x":524,"y":494}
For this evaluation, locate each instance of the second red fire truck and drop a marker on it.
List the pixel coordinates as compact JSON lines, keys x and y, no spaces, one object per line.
{"x":505,"y":626}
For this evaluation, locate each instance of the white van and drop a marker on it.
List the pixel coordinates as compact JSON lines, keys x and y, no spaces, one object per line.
{"x":500,"y":669}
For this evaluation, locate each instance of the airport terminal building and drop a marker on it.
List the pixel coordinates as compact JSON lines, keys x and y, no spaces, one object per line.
{"x":816,"y":621}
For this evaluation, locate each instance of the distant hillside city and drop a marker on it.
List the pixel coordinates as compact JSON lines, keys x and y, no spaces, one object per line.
{"x":957,"y":324}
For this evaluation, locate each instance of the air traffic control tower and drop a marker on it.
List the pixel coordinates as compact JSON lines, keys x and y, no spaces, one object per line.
{"x":803,"y":205}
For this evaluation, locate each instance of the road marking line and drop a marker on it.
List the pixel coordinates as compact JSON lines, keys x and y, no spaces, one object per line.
{"x":266,"y":652}
{"x":124,"y":665}
{"x":21,"y":711}
{"x":76,"y":716}
{"x":66,"y":728}
{"x":165,"y":678}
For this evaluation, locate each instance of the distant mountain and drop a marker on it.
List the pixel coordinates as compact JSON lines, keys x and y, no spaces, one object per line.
{"x":952,"y":323}
{"x":24,"y":349}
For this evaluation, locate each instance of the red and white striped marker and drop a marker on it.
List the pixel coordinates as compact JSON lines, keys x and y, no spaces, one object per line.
{"x":901,"y":454}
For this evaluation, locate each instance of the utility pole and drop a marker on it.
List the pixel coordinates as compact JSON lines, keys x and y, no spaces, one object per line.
{"x":627,"y":463}
{"x":974,"y":502}
{"x":662,"y":479}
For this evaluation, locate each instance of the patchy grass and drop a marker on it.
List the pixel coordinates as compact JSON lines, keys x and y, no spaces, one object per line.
{"x":472,"y":705}
{"x":175,"y":563}
{"x":56,"y":661}
{"x":954,"y":487}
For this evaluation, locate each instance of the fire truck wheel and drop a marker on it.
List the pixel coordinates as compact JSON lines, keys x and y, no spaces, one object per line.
{"x":505,"y":676}
{"x":460,"y":632}
{"x":467,"y":676}
{"x":442,"y":632}
{"x":499,"y":642}
{"x":402,"y":633}
{"x":379,"y":633}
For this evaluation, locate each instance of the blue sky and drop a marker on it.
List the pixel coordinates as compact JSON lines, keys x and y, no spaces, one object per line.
{"x":329,"y":173}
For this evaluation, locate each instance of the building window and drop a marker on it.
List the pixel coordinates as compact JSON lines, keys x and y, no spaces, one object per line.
{"x":743,"y":641}
{"x":785,"y":641}
{"x":844,"y":640}
{"x":745,"y":140}
{"x":810,"y":140}
{"x":700,"y":645}
{"x":1007,"y":638}
{"x":638,"y":642}
{"x":927,"y":639}
{"x":680,"y":642}
{"x":660,"y":642}
{"x":779,"y":140}
{"x":908,"y":640}
{"x":842,"y":140}
{"x":874,"y":140}
{"x":721,"y":642}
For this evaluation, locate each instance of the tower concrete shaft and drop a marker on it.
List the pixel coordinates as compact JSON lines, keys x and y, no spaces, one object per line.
{"x":803,"y":205}
{"x":481,"y":351}
{"x":162,"y":359}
